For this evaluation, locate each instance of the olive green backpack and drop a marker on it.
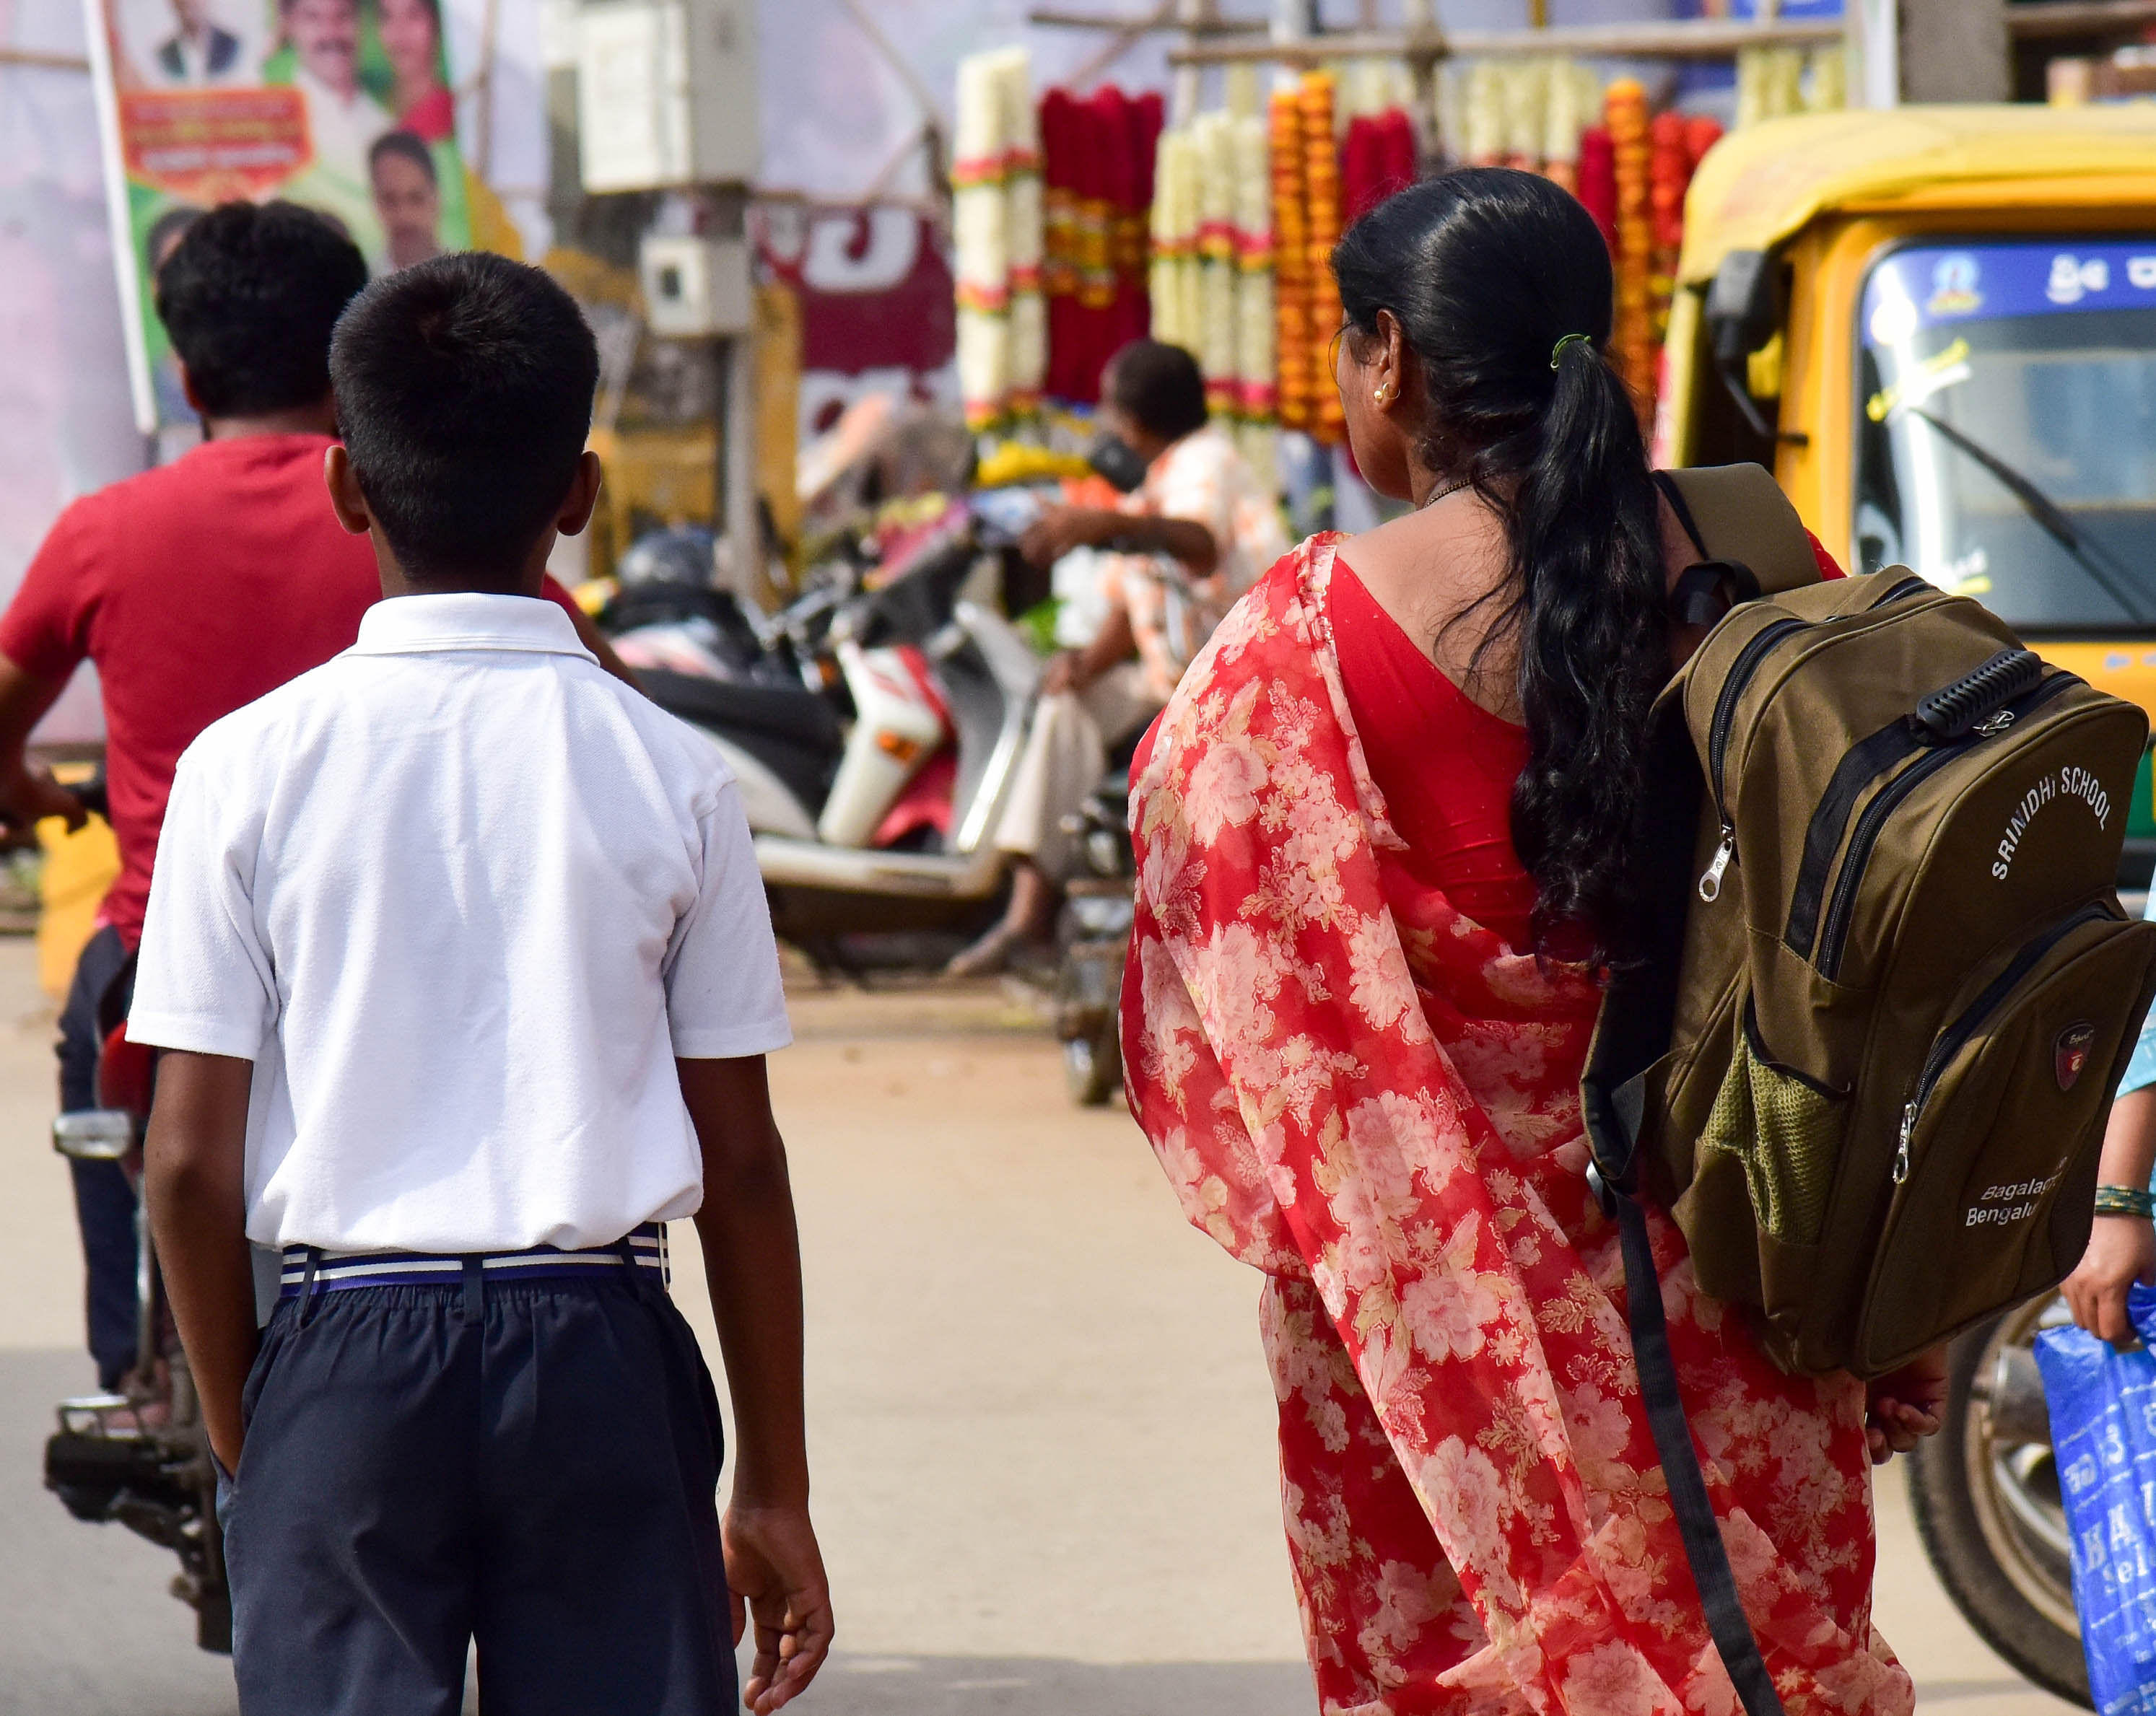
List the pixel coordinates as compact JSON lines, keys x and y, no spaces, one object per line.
{"x":1887,"y":990}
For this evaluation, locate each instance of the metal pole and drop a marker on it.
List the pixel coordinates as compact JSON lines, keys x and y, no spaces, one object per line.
{"x":744,"y":527}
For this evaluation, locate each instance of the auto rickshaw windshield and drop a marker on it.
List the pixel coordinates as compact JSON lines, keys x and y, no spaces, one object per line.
{"x":2007,"y":420}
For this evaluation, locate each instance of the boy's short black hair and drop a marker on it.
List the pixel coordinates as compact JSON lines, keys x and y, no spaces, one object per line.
{"x":464,"y":393}
{"x":409,"y":145}
{"x":249,"y":297}
{"x":1158,"y":387}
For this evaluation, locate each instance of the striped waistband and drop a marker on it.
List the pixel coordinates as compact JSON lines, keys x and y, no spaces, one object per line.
{"x":327,"y":1271}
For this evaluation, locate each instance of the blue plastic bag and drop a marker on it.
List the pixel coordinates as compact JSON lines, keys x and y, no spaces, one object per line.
{"x":2104,"y":1435}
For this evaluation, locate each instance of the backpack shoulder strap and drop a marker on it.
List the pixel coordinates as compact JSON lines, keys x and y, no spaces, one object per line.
{"x":1737,"y":512}
{"x":1638,"y":1008}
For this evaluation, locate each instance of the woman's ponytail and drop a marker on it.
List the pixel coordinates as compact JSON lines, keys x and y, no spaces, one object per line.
{"x":1491,"y":272}
{"x":1593,"y":646}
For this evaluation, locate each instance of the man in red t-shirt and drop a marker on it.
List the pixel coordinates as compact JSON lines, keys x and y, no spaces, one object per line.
{"x":195,"y":588}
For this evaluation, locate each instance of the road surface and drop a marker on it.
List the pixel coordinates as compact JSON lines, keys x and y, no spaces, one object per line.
{"x":1041,"y":1426}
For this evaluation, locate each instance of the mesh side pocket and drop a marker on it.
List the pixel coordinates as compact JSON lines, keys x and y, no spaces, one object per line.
{"x":1786,"y":1130}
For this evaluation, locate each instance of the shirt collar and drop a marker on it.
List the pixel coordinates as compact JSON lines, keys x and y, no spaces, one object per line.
{"x":465,"y":619}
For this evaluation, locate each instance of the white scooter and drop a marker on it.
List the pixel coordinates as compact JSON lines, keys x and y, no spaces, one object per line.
{"x":873,"y":731}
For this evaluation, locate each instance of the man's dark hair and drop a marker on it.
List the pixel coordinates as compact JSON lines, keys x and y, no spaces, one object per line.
{"x":249,"y":297}
{"x":463,"y":393}
{"x":1158,"y":387}
{"x":407,"y":144}
{"x":168,"y":229}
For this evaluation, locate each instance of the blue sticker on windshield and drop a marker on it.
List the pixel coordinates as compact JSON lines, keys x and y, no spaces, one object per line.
{"x":1919,"y":288}
{"x":1955,"y":278}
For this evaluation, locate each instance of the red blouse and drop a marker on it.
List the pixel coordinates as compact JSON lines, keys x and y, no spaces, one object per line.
{"x":1444,"y":763}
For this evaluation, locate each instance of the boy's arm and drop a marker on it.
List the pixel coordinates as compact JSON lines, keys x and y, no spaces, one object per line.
{"x":194,"y":1187}
{"x":752,"y":1263}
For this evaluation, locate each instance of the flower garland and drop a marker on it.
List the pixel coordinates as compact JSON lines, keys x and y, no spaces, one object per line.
{"x":997,"y":222}
{"x":1097,"y":165}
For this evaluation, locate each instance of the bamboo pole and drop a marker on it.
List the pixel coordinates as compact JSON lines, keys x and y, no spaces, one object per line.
{"x":2078,"y":17}
{"x":1140,"y":23}
{"x":43,"y":61}
{"x":1697,"y":40}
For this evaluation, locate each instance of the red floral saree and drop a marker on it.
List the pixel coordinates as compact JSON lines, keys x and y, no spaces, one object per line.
{"x":1372,"y":1099}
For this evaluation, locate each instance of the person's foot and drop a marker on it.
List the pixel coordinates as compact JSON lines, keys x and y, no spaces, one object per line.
{"x":991,"y":955}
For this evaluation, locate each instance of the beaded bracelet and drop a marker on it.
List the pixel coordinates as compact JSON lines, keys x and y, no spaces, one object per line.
{"x":2125,"y":1201}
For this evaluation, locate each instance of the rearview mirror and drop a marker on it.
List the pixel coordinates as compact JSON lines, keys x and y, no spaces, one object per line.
{"x":1743,"y":315}
{"x":95,"y":1135}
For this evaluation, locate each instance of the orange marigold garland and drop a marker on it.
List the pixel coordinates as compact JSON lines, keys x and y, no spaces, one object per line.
{"x":1625,"y":107}
{"x":1320,"y":188}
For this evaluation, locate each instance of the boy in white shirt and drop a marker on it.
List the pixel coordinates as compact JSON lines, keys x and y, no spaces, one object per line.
{"x":462,"y":967}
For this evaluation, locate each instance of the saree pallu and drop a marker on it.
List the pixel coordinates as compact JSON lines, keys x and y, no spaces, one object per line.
{"x":1373,"y":1099}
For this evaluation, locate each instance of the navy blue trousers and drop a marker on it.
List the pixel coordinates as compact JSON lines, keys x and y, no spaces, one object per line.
{"x":539,"y":1478}
{"x":104,"y":1200}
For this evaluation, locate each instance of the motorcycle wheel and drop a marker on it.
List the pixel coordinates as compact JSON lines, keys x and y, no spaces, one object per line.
{"x":1986,"y":1494}
{"x":1093,"y":1066}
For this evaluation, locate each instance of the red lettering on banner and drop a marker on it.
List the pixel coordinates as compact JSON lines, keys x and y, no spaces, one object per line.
{"x":213,"y":146}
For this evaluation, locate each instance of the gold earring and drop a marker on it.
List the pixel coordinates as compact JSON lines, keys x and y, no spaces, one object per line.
{"x":1382,"y":394}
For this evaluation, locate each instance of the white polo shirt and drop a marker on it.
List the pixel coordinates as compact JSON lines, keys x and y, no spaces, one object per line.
{"x":462,"y":897}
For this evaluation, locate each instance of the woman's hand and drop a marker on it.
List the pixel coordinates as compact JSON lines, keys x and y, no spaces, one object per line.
{"x":2122,"y":1250}
{"x":1901,"y":1409}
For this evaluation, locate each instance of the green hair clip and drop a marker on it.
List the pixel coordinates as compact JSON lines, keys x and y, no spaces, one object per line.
{"x":1557,"y":350}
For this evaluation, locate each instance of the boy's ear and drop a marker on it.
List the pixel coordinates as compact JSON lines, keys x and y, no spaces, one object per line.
{"x":346,"y":499}
{"x":188,"y":388}
{"x":583,"y":496}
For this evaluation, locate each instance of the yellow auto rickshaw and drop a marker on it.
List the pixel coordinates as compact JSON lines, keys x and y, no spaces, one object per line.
{"x":1938,"y":326}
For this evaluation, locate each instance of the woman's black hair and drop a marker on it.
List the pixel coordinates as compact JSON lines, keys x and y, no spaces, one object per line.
{"x":1159,"y":387}
{"x":1487,"y":269}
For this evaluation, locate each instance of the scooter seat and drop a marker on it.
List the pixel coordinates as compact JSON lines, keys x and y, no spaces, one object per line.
{"x":799,"y":717}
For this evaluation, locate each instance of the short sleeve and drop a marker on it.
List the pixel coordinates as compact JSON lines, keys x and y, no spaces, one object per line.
{"x":46,"y":629}
{"x":203,"y":982}
{"x":1191,"y":485}
{"x":724,"y":997}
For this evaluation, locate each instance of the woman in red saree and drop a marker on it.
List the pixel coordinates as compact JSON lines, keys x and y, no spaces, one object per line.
{"x":1381,"y":841}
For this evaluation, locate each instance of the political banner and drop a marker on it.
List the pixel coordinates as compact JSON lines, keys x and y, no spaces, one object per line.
{"x":349,"y":107}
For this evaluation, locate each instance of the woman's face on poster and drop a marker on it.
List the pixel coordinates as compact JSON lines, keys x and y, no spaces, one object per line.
{"x":410,"y":38}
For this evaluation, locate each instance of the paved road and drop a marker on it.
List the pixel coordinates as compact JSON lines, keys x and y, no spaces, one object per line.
{"x":1041,"y":1429}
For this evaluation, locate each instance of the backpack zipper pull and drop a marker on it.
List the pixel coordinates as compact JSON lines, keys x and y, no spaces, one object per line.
{"x":1710,"y":885}
{"x":1901,"y":1151}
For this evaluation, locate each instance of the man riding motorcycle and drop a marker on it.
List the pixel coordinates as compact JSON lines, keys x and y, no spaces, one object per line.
{"x":196,"y":587}
{"x":1200,"y":505}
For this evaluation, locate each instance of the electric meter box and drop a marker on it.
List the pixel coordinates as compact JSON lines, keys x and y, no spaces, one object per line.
{"x":694,"y":287}
{"x":666,"y":93}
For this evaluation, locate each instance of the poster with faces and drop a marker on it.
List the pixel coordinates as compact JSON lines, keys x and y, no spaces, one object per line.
{"x":352,"y":108}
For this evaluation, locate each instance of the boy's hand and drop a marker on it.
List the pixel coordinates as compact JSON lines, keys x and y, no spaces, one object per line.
{"x":773,"y":1563}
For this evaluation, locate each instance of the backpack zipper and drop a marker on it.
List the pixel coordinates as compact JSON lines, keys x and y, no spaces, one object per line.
{"x":1741,"y":671}
{"x":1888,"y":799}
{"x":1865,"y":762}
{"x":1951,"y":1041}
{"x":1910,"y":585}
{"x":1747,"y":662}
